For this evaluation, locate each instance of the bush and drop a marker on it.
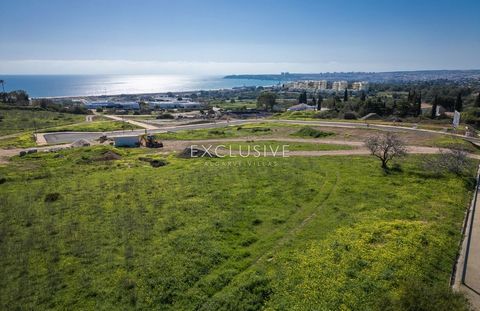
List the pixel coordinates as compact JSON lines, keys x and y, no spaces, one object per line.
{"x":216,"y":132}
{"x":165,"y":116}
{"x":311,"y":132}
{"x":453,"y":160}
{"x":52,"y":197}
{"x":260,"y":129}
{"x":327,"y":114}
{"x":350,"y":115}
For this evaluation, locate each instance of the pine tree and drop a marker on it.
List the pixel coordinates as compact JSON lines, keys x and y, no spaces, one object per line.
{"x":302,"y":99}
{"x":419,"y":105}
{"x":459,"y":103}
{"x":314,"y":102}
{"x":363,"y":96}
{"x":345,"y":96}
{"x":319,"y":102}
{"x":477,"y":102}
{"x":434,"y":107}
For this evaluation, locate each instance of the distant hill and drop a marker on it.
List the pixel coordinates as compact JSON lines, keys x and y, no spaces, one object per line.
{"x":393,"y":76}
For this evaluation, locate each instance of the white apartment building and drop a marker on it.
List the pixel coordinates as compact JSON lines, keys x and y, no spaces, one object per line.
{"x":360,"y":86}
{"x":339,"y":85}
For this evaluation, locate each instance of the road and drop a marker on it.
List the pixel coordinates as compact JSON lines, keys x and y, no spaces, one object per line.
{"x":68,"y":137}
{"x":133,"y":122}
{"x":179,"y":145}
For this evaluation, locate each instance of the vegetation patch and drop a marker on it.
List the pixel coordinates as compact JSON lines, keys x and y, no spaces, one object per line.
{"x":327,"y":233}
{"x":19,"y":120}
{"x":22,"y":140}
{"x":311,"y":132}
{"x":96,"y":126}
{"x":278,"y":145}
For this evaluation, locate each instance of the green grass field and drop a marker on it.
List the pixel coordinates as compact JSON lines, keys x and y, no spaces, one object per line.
{"x":329,"y":233}
{"x":277,"y":146}
{"x":245,"y":130}
{"x":22,"y":140}
{"x":96,"y":126}
{"x":18,"y":120}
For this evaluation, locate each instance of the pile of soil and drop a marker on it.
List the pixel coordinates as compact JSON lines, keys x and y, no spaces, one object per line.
{"x":190,"y":152}
{"x":154,"y":162}
{"x":109,"y":156}
{"x":80,"y":143}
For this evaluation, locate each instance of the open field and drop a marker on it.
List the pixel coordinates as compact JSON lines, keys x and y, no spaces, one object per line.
{"x":96,"y":126}
{"x":21,"y":140}
{"x":19,"y":120}
{"x":244,"y":130}
{"x":270,"y":146}
{"x":79,"y":232}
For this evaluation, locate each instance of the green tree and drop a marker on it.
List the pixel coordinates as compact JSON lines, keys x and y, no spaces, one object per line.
{"x":418,"y":105}
{"x":434,"y":107}
{"x":319,"y":102}
{"x":345,"y":96}
{"x":477,"y":101}
{"x":314,"y":101}
{"x":302,"y":99}
{"x":459,"y":102}
{"x":363,"y":96}
{"x":266,"y":100}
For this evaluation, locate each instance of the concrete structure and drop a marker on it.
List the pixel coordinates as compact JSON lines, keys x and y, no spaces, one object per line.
{"x":311,"y":85}
{"x":126,"y":140}
{"x":339,"y":85}
{"x":301,"y":107}
{"x":176,"y":105}
{"x":360,"y":86}
{"x":117,"y":105}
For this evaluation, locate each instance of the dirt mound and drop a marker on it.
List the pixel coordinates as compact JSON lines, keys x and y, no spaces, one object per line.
{"x":109,"y":156}
{"x":191,"y":152}
{"x":154,"y":162}
{"x":80,"y":143}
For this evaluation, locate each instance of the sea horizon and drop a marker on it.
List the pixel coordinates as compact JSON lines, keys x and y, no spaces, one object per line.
{"x":79,"y":85}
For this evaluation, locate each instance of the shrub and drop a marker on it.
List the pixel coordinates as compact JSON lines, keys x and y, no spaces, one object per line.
{"x":260,"y":129}
{"x":165,"y":116}
{"x":311,"y":132}
{"x":454,"y":160}
{"x":52,"y":197}
{"x":327,"y":114}
{"x":350,"y":115}
{"x":216,"y":132}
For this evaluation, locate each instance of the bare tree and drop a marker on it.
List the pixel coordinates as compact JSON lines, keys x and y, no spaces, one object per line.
{"x":386,"y":147}
{"x":453,"y":159}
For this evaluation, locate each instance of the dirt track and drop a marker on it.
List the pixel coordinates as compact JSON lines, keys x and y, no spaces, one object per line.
{"x":179,"y":145}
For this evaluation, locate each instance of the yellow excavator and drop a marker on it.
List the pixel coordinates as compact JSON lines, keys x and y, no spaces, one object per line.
{"x":150,"y":141}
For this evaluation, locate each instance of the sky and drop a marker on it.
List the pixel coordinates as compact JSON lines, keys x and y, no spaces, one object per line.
{"x":235,"y":37}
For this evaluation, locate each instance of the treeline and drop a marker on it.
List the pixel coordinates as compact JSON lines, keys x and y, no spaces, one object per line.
{"x":20,"y":100}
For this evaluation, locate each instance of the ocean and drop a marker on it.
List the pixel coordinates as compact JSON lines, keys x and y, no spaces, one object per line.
{"x":88,"y":85}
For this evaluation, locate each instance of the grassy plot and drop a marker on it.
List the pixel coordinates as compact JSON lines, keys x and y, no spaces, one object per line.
{"x":310,"y":132}
{"x":18,"y":120}
{"x":245,"y":130}
{"x":270,"y":146}
{"x":96,"y":126}
{"x":21,"y":140}
{"x":449,"y":142}
{"x":331,"y":233}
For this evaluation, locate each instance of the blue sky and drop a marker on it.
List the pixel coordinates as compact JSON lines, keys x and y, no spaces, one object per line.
{"x":219,"y":37}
